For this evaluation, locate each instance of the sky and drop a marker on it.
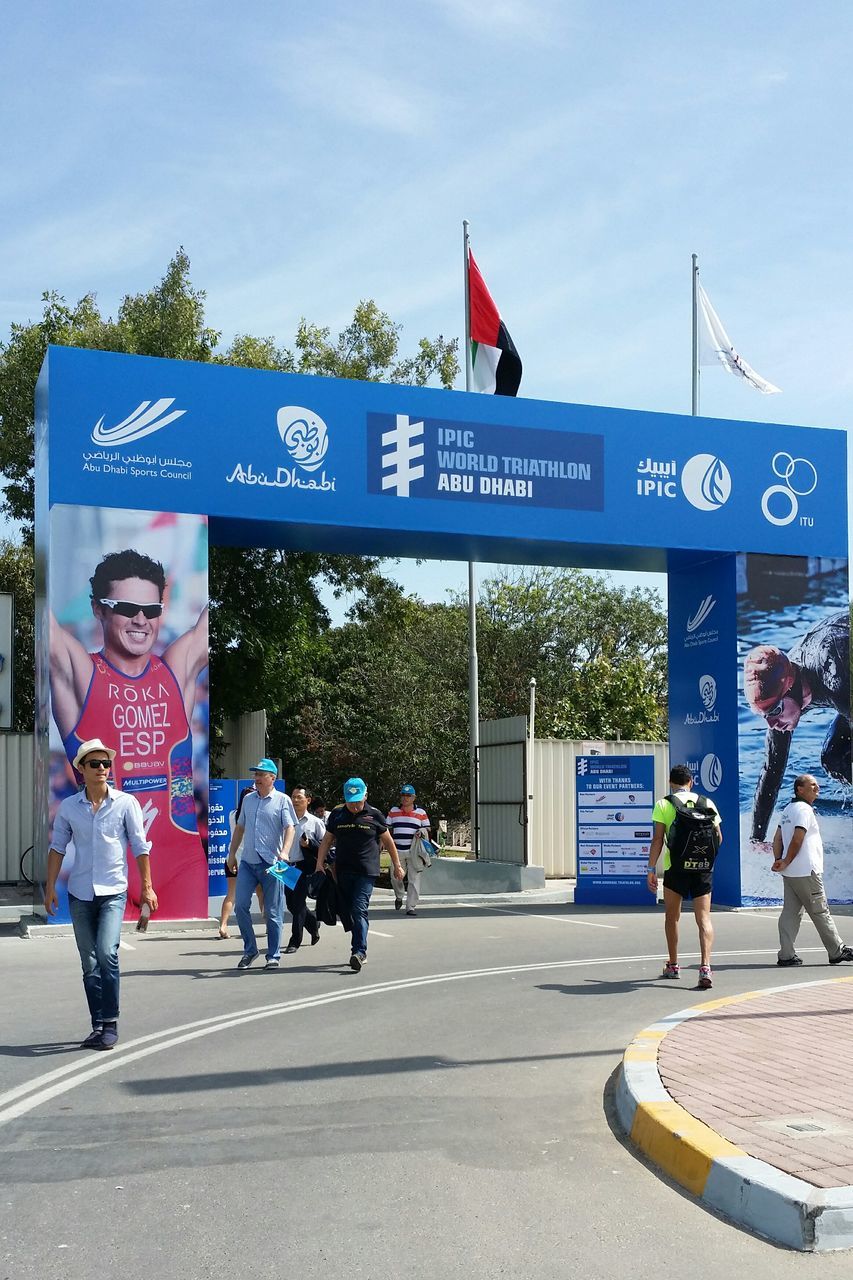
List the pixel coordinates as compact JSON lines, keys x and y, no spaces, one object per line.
{"x":309,"y":156}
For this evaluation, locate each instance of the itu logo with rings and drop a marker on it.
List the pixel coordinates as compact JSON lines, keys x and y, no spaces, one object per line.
{"x":780,"y":502}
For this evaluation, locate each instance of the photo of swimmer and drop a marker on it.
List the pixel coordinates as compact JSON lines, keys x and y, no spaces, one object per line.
{"x":794,"y":712}
{"x":128,"y":665}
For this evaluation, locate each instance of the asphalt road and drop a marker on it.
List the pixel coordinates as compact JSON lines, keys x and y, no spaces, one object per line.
{"x":442,"y":1114}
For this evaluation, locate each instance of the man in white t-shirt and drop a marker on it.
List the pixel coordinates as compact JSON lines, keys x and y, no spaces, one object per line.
{"x":798,"y":853}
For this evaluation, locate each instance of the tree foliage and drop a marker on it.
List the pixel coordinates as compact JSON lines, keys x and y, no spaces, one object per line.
{"x":17,"y":576}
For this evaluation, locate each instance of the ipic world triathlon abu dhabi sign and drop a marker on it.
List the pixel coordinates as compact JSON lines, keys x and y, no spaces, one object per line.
{"x":295,"y":461}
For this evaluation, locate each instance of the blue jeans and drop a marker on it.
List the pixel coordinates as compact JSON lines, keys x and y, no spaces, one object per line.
{"x":97,"y":932}
{"x":248,"y":875}
{"x":355,"y":889}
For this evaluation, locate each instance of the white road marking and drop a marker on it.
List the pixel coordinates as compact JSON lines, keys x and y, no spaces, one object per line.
{"x":374,"y":933}
{"x":125,"y":946}
{"x":52,"y":1084}
{"x":514,"y":911}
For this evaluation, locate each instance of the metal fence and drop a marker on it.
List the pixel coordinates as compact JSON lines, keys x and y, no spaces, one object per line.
{"x":16,"y":802}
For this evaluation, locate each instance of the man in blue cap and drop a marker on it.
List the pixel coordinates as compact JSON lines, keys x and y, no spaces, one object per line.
{"x":357,"y":830}
{"x":404,"y":821}
{"x":265,"y":828}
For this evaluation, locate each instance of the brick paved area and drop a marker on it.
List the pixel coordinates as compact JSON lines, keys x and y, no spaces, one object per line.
{"x":773,"y":1075}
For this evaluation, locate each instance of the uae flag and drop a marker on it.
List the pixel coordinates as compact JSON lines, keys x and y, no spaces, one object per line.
{"x":494,"y":359}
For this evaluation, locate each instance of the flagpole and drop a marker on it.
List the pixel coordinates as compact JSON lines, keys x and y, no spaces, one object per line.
{"x":473,"y":674}
{"x":695,"y":388}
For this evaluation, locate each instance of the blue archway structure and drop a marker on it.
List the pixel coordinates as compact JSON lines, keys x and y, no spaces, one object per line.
{"x":748,"y":520}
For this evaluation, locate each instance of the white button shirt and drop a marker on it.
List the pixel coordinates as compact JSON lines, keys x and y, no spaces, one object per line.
{"x":101,"y":841}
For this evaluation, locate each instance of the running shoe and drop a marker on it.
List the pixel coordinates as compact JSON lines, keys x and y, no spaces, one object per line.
{"x":671,"y":970}
{"x":705,"y":979}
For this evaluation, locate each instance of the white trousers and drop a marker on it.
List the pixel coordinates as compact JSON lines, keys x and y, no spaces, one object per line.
{"x":414,"y":874}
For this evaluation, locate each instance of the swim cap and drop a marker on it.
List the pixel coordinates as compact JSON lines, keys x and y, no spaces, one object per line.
{"x":768,"y":674}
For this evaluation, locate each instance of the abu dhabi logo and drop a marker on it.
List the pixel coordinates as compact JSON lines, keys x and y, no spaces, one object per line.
{"x":148,"y":417}
{"x":399,"y":452}
{"x":708,"y":692}
{"x":710,"y":772}
{"x":706,"y":482}
{"x":701,"y":614}
{"x":304,"y":435}
{"x":799,"y":479}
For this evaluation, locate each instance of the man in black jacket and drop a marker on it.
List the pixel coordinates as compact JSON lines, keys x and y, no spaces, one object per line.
{"x":303,"y":854}
{"x":357,"y":830}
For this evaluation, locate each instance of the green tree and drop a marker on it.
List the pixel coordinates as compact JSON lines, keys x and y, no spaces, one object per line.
{"x":598,"y":653}
{"x":17,"y":576}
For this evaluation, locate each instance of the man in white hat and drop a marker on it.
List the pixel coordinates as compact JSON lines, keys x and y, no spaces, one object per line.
{"x":102,"y":822}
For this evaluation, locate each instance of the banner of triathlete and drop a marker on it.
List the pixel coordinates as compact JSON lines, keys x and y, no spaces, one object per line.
{"x":128,"y":599}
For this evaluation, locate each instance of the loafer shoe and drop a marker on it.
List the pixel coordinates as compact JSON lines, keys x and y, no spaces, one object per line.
{"x":93,"y":1039}
{"x":398,"y":903}
{"x":289,"y":950}
{"x":790,"y":963}
{"x":846,"y":953}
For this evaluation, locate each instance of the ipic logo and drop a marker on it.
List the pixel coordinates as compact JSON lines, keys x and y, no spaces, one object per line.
{"x":780,"y":503}
{"x":399,"y":452}
{"x":147,"y":417}
{"x":583,"y":767}
{"x":706,"y":482}
{"x":710,"y":772}
{"x":304,"y":435}
{"x":708,"y":691}
{"x":701,"y":614}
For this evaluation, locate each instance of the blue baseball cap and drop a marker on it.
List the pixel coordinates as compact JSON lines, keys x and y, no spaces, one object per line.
{"x":265,"y":765}
{"x":407,"y":789}
{"x":355,"y":789}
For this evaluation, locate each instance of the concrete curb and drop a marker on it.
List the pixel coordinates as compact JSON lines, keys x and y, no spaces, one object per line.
{"x":750,"y":1192}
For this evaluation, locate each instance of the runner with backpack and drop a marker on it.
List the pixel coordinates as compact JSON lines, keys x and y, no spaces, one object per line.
{"x":687,"y":827}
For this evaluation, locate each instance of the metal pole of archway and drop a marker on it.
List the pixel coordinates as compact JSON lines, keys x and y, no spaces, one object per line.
{"x":473,"y":673}
{"x":694,"y":399}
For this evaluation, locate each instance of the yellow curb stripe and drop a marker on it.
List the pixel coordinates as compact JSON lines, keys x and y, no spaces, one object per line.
{"x":678,"y":1143}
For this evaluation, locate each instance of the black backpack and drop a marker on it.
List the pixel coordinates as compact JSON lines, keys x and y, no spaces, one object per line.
{"x":694,"y":837}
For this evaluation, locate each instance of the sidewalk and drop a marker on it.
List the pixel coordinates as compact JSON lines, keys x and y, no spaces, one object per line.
{"x":747,"y":1102}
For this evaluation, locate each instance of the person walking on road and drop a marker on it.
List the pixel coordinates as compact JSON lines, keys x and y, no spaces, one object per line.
{"x":303,"y":854}
{"x":357,"y":830}
{"x":102,"y":822}
{"x":680,"y":881}
{"x":798,"y":857}
{"x":265,"y":826}
{"x":404,"y":820}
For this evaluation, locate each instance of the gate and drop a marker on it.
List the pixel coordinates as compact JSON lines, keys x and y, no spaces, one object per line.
{"x":502,"y":791}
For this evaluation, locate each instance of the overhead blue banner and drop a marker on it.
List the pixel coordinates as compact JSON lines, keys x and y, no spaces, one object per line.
{"x":373,"y":459}
{"x":615,"y":798}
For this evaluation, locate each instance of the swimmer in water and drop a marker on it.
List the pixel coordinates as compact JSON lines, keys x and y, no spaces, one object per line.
{"x":782,"y":687}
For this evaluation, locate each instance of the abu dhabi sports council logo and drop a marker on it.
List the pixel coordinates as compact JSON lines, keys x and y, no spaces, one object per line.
{"x":708,"y":692}
{"x":706,"y":482}
{"x":304,"y":435}
{"x":399,"y":452}
{"x":710,"y":772}
{"x":701,"y":614}
{"x":780,"y":502}
{"x":147,"y":417}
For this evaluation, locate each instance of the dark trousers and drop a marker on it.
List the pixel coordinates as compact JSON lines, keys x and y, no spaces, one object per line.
{"x":297,"y":904}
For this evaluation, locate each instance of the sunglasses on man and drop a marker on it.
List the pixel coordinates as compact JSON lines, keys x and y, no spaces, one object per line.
{"x":129,"y":608}
{"x":97,"y":764}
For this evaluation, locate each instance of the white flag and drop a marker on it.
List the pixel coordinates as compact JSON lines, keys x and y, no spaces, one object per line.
{"x":714,"y":345}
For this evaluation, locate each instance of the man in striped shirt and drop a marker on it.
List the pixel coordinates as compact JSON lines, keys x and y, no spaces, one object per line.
{"x":403,"y":821}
